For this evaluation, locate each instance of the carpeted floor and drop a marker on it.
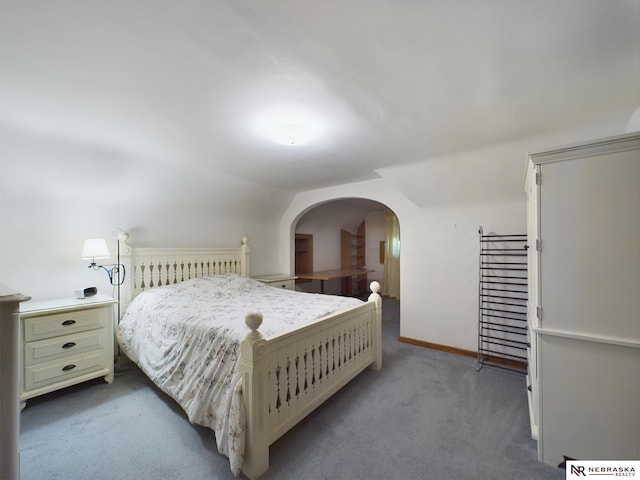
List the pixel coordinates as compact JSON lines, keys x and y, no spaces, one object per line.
{"x":426,"y":415}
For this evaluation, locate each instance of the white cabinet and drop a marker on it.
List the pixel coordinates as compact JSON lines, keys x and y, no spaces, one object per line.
{"x":584,"y":300}
{"x":64,"y":342}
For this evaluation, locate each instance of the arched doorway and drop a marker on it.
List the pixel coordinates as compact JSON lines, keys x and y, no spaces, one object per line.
{"x":341,"y":234}
{"x":373,"y":190}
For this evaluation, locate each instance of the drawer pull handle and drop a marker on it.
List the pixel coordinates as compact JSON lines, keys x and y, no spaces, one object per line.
{"x":66,"y":368}
{"x":66,"y":323}
{"x":69,"y":345}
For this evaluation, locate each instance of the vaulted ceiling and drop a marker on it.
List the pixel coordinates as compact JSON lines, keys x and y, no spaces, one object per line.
{"x":195,"y":83}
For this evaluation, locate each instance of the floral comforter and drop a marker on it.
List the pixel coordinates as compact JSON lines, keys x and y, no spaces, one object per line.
{"x":186,"y":338}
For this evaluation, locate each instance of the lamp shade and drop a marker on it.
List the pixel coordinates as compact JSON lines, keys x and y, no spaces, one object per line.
{"x":95,"y":248}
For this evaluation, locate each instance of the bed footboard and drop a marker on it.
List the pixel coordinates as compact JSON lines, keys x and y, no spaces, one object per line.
{"x":286,"y":377}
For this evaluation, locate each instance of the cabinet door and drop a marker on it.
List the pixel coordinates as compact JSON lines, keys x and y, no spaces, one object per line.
{"x":533,"y":218}
{"x":590,"y":231}
{"x":590,"y":398}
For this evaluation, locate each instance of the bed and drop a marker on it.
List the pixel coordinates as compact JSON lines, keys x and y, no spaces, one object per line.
{"x":249,"y":381}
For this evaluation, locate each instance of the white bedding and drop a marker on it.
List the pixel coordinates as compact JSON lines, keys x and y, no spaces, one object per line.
{"x":186,"y":338}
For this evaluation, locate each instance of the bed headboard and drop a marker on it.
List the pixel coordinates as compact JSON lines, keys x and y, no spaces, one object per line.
{"x":154,"y":267}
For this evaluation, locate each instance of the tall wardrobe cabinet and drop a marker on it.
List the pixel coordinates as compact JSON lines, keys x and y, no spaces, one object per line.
{"x":584,"y":300}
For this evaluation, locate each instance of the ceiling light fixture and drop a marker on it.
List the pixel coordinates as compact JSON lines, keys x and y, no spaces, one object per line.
{"x":292,"y":134}
{"x":290,"y":125}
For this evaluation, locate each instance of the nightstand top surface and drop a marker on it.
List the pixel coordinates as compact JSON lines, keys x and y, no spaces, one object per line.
{"x":66,"y":304}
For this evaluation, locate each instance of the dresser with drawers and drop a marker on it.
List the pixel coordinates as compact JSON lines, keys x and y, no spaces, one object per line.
{"x":65,"y":342}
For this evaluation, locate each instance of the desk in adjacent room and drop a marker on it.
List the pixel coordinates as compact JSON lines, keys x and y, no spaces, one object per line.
{"x":345,"y":274}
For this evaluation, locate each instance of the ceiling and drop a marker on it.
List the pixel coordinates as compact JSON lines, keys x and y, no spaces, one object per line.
{"x":391,"y":82}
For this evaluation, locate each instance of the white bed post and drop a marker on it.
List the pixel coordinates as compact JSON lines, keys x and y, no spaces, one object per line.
{"x":253,"y":367}
{"x":377,"y":331}
{"x":126,"y":289}
{"x":246,"y":253}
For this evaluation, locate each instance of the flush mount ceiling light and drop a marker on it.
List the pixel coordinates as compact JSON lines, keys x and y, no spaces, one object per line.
{"x":293,"y":134}
{"x":292,"y":126}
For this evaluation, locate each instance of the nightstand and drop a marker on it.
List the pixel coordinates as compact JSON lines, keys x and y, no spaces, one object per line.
{"x":278,"y":280}
{"x":64,"y":342}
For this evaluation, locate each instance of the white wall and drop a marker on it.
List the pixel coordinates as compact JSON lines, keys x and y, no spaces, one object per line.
{"x":440,"y":204}
{"x":634,"y":122}
{"x":55,"y":192}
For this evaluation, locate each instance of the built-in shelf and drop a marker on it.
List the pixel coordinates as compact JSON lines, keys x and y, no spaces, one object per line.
{"x":352,"y":256}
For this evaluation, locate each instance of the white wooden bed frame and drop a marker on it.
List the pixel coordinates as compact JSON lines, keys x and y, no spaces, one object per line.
{"x":284,"y":378}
